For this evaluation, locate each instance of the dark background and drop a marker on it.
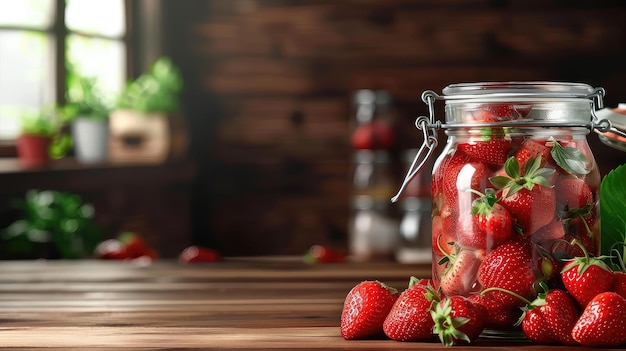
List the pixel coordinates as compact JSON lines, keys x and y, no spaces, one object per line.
{"x":268,"y":86}
{"x":267,"y":102}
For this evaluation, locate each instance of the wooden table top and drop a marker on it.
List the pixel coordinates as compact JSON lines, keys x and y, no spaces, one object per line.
{"x":243,"y":304}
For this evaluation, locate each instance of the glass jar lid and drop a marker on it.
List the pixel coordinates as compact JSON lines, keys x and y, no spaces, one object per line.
{"x":536,"y":104}
{"x":518,"y":90}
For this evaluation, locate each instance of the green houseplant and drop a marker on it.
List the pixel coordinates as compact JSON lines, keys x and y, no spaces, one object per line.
{"x":40,"y":137}
{"x":53,"y":224}
{"x":141,"y":122}
{"x":88,"y":112}
{"x":156,"y":91}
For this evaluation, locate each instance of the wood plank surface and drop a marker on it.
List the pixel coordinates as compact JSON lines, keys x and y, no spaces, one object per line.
{"x":243,"y":304}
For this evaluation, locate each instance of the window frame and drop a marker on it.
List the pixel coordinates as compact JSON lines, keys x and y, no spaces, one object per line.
{"x":59,"y":32}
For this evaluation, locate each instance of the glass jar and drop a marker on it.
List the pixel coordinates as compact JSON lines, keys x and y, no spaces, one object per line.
{"x":373,"y":226}
{"x":514,"y":186}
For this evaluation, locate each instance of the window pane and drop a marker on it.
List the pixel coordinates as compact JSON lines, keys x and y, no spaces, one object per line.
{"x":26,"y":68}
{"x":27,"y":13}
{"x":104,"y":17}
{"x":100,"y":58}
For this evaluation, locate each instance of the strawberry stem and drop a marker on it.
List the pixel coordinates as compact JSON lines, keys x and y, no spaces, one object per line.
{"x":514,"y":294}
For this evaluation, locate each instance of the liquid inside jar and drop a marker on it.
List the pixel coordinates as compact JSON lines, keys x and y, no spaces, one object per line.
{"x":508,"y":201}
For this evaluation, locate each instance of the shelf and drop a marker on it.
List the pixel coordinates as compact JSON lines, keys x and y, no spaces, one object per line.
{"x":68,"y":174}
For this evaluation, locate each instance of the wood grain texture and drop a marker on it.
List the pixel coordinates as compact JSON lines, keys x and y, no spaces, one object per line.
{"x":242,"y":304}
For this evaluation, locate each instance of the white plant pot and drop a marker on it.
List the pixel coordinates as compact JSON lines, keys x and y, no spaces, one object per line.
{"x":91,"y":138}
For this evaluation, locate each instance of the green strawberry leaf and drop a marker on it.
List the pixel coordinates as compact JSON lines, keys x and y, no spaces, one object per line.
{"x":500,"y":182}
{"x":511,"y":167}
{"x":532,"y":165}
{"x":613,"y":210}
{"x":570,"y":159}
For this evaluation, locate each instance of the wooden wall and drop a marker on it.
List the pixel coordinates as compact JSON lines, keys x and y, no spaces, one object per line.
{"x":268,"y":85}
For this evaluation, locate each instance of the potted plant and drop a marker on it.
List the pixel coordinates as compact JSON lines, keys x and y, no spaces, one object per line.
{"x":140,"y":123}
{"x":52,"y":224}
{"x":39,"y":129}
{"x":88,"y":112}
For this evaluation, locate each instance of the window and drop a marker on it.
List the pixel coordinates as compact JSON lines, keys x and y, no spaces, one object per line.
{"x":37,"y":37}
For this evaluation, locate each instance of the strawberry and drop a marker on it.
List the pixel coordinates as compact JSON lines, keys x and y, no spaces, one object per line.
{"x":324,"y":254}
{"x":550,"y":318}
{"x":573,"y":193}
{"x":585,"y":277}
{"x":458,"y":320}
{"x":500,"y":316}
{"x":547,"y":235}
{"x":493,"y":151}
{"x":372,"y":135}
{"x":441,"y":238}
{"x":533,"y":148}
{"x":619,"y":283}
{"x":194,"y":254}
{"x":365,"y":308}
{"x":510,"y":266}
{"x":451,"y":180}
{"x":496,"y":112}
{"x":459,"y":276}
{"x":602,"y":321}
{"x":585,"y":230}
{"x":111,"y":249}
{"x":489,"y":225}
{"x":529,"y":198}
{"x":409,"y":318}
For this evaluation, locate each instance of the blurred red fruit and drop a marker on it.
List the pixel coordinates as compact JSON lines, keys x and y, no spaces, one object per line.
{"x":194,"y":254}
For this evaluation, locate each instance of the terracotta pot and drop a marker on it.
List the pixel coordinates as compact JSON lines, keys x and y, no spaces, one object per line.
{"x":32,"y":150}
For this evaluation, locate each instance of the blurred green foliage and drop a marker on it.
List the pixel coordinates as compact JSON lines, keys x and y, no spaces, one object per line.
{"x":156,"y":91}
{"x":53,"y":225}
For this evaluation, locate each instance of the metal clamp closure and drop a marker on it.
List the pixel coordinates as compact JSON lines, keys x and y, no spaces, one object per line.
{"x":428,"y":126}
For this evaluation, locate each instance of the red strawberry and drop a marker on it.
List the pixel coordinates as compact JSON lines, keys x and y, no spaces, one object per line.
{"x":573,"y":193}
{"x":500,"y":315}
{"x":410,"y":319}
{"x":602,"y":321}
{"x":549,"y":234}
{"x":324,"y":254}
{"x":619,"y":283}
{"x":587,"y":233}
{"x":459,"y":276}
{"x":111,"y":249}
{"x":493,"y":151}
{"x":529,"y":198}
{"x":441,"y":238}
{"x":193,"y":254}
{"x":496,"y":112}
{"x":372,"y":135}
{"x":585,"y":277}
{"x":481,"y":115}
{"x":502,"y":110}
{"x":445,"y":174}
{"x":488,"y":226}
{"x":365,"y":309}
{"x":533,"y":148}
{"x":550,"y":318}
{"x":533,"y":209}
{"x":458,"y":320}
{"x":511,"y":267}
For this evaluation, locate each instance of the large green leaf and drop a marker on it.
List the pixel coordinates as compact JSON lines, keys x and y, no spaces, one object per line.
{"x":613,"y":209}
